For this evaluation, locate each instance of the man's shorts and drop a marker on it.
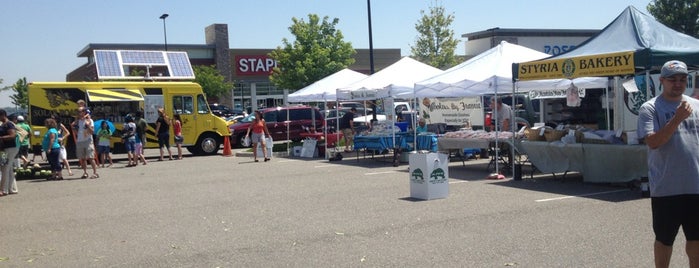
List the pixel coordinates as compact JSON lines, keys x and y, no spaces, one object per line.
{"x":23,"y":151}
{"x":348,"y":133}
{"x":130,"y":145}
{"x":85,"y":150}
{"x":671,"y":212}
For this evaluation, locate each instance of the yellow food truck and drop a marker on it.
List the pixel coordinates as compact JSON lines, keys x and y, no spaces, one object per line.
{"x":203,"y":131}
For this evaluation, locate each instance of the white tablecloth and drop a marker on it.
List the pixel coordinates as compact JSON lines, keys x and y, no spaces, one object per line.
{"x":596,"y":162}
{"x":446,"y":144}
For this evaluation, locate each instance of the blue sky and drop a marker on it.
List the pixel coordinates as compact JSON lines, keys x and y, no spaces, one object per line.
{"x":41,"y":38}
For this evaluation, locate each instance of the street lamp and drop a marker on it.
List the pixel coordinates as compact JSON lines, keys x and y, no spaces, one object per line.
{"x":163,"y":17}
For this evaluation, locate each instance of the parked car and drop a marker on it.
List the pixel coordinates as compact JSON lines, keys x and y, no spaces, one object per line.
{"x":224,"y":111}
{"x":299,"y":119}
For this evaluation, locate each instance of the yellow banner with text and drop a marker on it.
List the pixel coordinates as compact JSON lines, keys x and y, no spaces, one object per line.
{"x":584,"y":66}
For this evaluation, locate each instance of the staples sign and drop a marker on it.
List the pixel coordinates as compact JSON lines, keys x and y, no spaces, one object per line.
{"x":254,"y":65}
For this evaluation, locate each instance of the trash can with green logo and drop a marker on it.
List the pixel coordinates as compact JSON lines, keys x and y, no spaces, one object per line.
{"x":429,"y":175}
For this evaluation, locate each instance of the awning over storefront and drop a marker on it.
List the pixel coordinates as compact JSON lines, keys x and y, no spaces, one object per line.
{"x":97,"y":95}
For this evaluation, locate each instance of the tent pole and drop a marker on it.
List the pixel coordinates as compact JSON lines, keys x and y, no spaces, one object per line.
{"x":513,"y":125}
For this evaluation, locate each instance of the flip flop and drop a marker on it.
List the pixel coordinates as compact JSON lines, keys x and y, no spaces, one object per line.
{"x":95,"y":176}
{"x":84,"y":176}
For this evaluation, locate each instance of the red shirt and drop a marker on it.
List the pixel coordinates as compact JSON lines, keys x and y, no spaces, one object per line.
{"x":258,"y":126}
{"x":177,"y":128}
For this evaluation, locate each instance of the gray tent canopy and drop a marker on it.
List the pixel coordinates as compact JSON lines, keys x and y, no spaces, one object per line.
{"x":633,"y":41}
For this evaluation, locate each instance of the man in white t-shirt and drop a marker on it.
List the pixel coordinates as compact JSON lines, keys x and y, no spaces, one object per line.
{"x":501,"y":115}
{"x":84,"y":142}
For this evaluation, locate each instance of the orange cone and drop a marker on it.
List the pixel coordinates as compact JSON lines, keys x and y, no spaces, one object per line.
{"x":227,"y":147}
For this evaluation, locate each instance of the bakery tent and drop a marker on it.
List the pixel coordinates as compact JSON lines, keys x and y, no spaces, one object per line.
{"x":325,"y":89}
{"x":633,"y":41}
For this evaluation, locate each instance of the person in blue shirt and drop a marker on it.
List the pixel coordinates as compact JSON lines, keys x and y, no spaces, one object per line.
{"x":421,"y":126}
{"x":52,"y":147}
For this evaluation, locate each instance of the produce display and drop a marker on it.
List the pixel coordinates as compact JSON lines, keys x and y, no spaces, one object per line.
{"x":33,"y":172}
{"x":480,"y":135}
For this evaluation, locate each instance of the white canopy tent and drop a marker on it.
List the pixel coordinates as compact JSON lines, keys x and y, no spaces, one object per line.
{"x":397,"y":79}
{"x":491,"y":72}
{"x":326,"y":88}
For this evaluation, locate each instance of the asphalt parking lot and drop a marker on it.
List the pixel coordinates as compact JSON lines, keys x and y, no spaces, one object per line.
{"x":220,"y":211}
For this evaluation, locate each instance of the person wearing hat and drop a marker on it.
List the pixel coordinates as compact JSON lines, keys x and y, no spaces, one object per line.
{"x":669,"y":125}
{"x":23,"y":133}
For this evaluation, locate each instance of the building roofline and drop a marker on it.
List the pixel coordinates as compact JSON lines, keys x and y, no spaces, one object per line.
{"x":529,"y":32}
{"x":87,"y":50}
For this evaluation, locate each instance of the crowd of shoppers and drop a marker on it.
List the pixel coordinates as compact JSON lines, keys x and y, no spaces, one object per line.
{"x":15,"y":135}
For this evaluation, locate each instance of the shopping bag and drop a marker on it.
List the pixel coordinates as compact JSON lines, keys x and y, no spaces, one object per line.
{"x":246,"y":141}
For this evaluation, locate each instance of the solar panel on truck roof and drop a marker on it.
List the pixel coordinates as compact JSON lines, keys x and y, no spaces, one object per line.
{"x":121,"y":64}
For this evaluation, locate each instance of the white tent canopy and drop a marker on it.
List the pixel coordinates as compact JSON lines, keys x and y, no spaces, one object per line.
{"x":326,"y":88}
{"x":491,"y":72}
{"x":396,"y":79}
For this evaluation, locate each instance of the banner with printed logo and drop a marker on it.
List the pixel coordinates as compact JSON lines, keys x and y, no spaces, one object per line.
{"x":452,"y":111}
{"x":610,"y":64}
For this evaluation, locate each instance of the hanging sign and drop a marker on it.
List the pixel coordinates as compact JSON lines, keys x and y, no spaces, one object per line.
{"x":584,"y":66}
{"x":452,"y":111}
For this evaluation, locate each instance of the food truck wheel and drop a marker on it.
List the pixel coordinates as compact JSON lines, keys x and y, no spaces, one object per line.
{"x":208,"y":144}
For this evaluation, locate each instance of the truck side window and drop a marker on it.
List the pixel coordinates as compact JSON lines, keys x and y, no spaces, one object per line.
{"x":202,"y":107}
{"x":182,"y":104}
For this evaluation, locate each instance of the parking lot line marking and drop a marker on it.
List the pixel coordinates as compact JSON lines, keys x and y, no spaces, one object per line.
{"x":455,"y":182}
{"x":575,"y":196}
{"x":382,"y":172}
{"x":284,"y":161}
{"x":324,"y":166}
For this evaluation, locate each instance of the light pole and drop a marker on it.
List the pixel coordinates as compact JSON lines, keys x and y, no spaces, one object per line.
{"x":163,"y":17}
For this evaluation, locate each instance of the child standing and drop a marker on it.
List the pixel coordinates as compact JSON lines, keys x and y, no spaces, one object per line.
{"x":177,"y":129}
{"x":103,"y":135}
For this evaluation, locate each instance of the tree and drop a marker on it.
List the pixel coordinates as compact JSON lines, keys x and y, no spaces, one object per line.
{"x":318,"y":51}
{"x":211,"y":81}
{"x":21,"y":97}
{"x":680,"y":15}
{"x":435,"y":42}
{"x":4,"y":88}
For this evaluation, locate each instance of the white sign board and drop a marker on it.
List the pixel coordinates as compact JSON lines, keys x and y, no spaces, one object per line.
{"x":152,"y":103}
{"x":452,"y":111}
{"x":552,"y":94}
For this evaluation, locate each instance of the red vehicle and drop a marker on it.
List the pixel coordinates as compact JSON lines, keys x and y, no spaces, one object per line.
{"x":295,"y":119}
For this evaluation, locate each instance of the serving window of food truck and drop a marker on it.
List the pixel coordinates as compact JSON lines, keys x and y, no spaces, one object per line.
{"x":114,"y":104}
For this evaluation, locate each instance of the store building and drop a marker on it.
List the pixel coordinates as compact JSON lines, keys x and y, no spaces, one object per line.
{"x":549,"y":41}
{"x":248,"y":69}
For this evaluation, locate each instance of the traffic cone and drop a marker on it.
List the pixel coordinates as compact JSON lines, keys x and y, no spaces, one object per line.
{"x":227,"y":147}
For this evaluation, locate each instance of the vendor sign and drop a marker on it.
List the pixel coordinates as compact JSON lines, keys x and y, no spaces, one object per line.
{"x":553,"y":93}
{"x":452,"y":111}
{"x":584,"y":66}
